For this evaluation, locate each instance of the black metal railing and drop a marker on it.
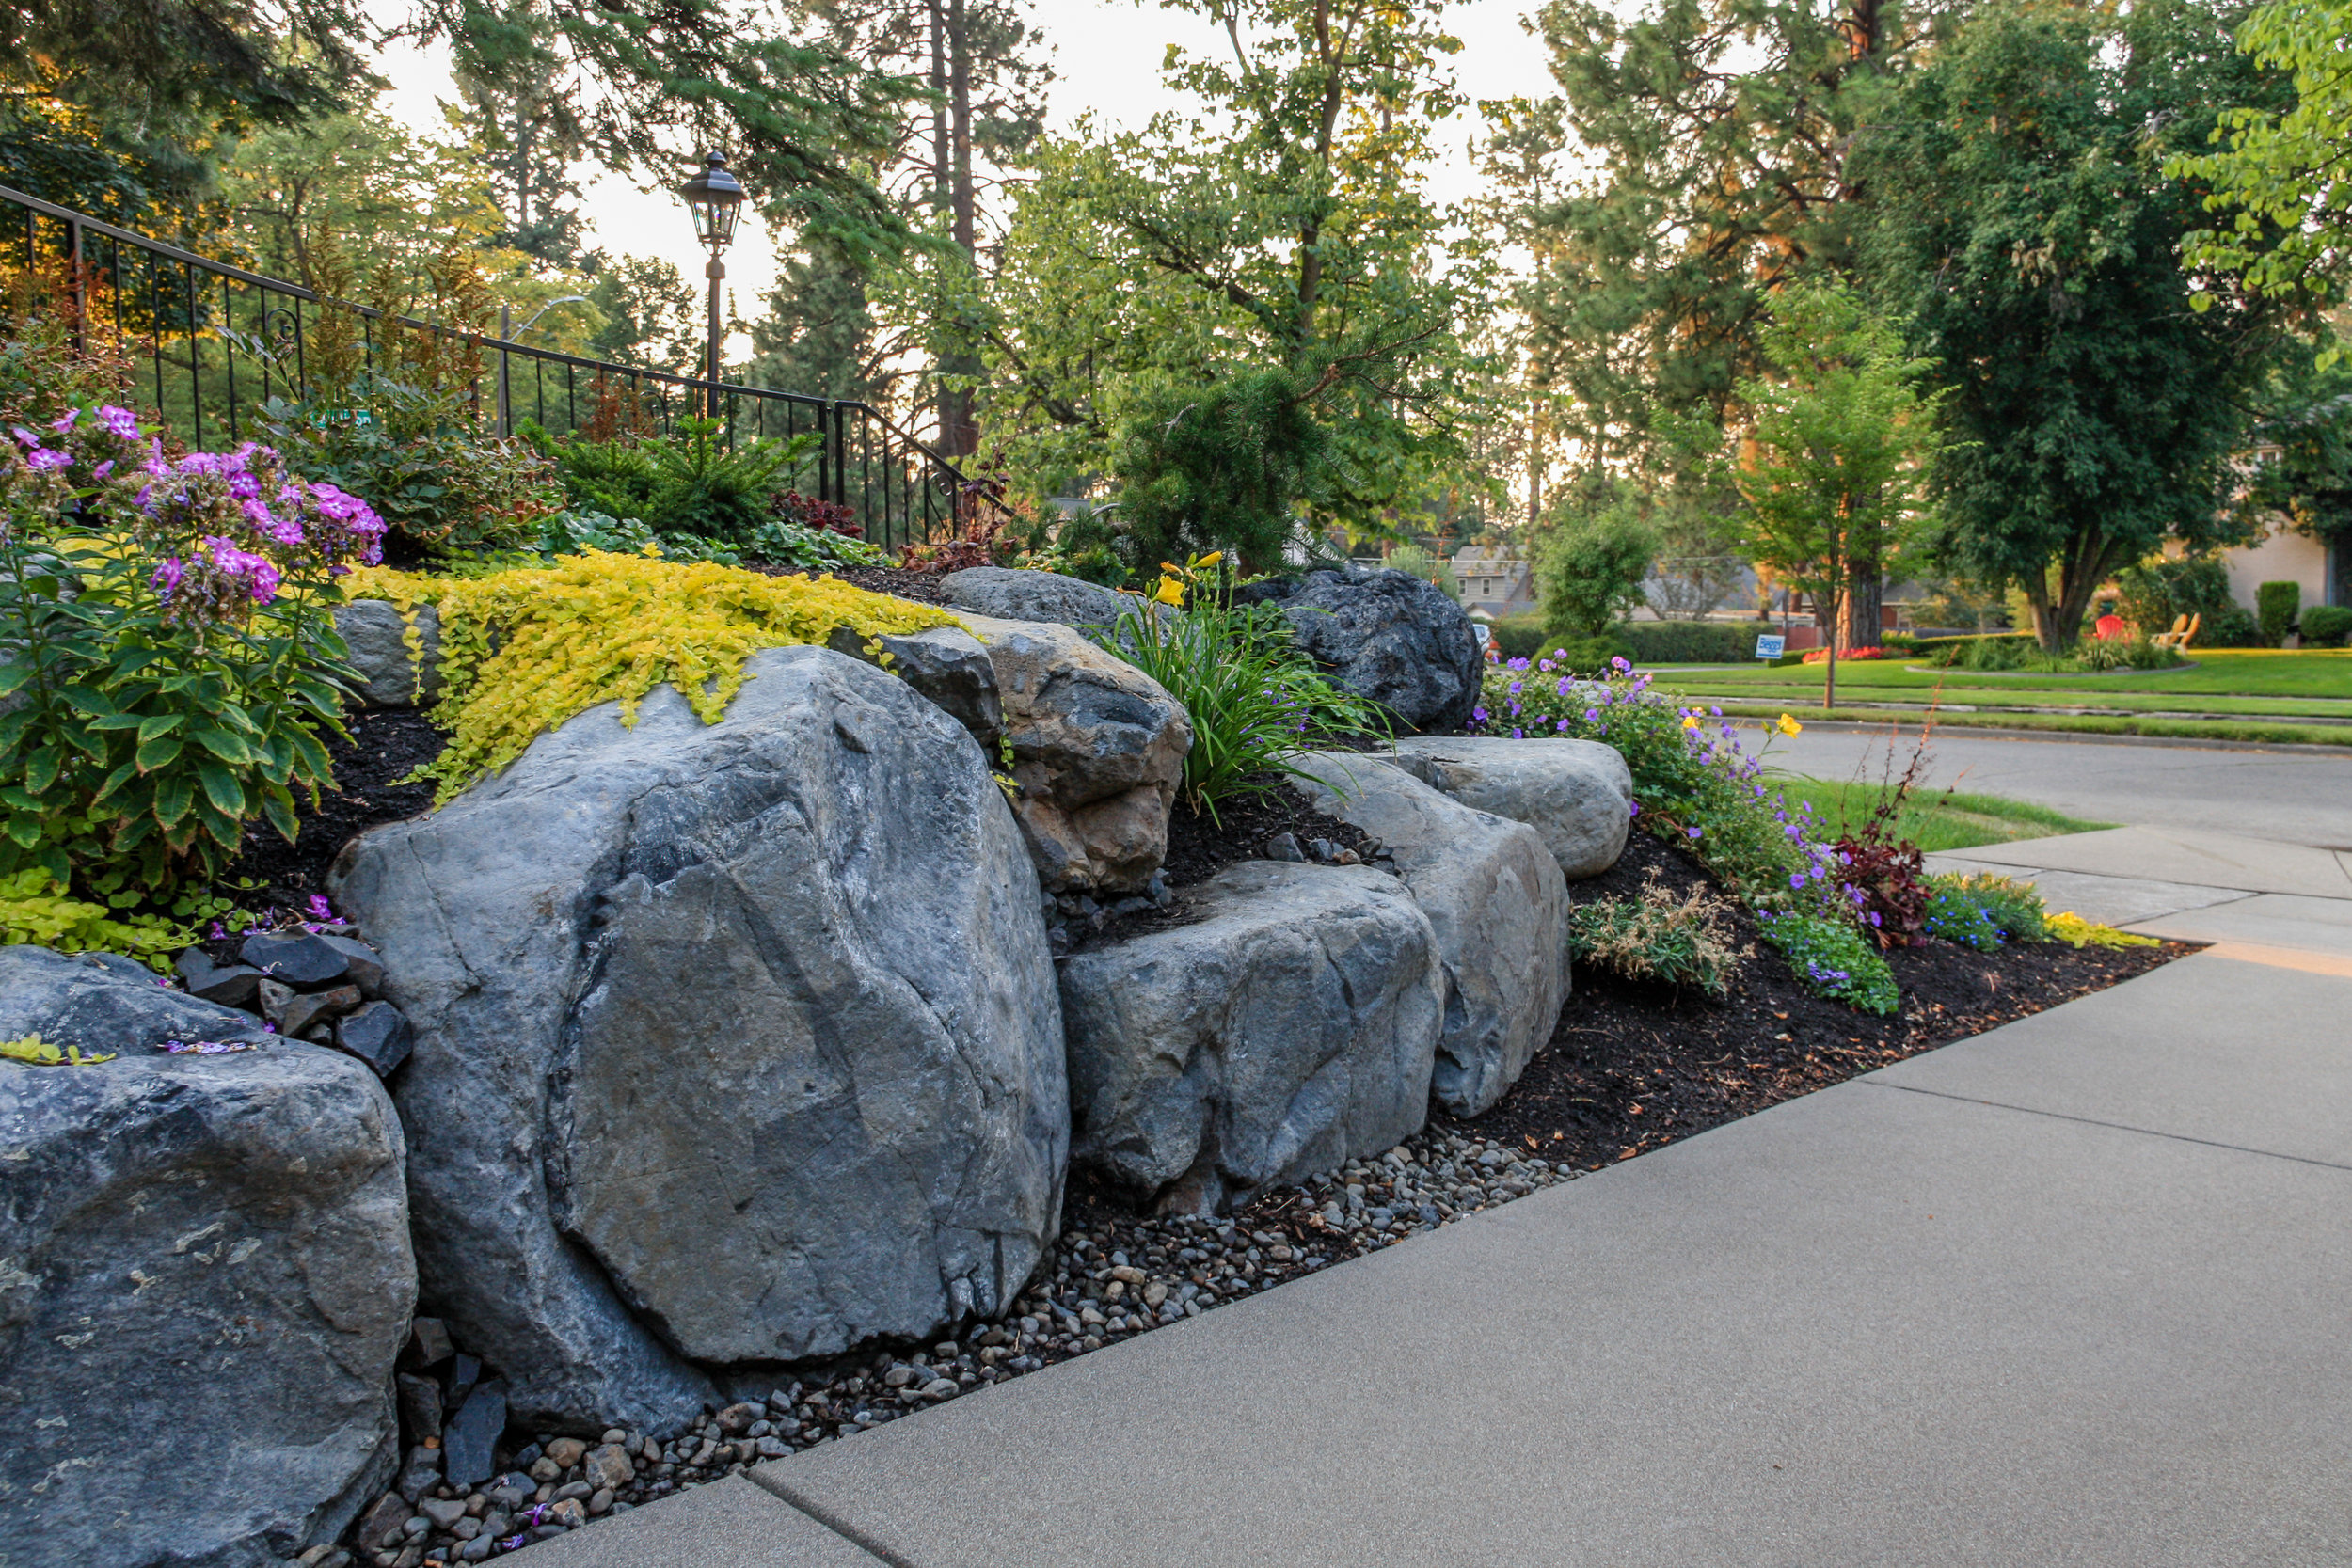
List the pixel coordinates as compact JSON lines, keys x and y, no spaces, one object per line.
{"x":211,"y":344}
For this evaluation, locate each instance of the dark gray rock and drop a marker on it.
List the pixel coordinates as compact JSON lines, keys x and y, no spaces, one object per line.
{"x":230,"y":984}
{"x":191,"y":1245}
{"x":735,"y":1042}
{"x":1283,"y":846}
{"x":1098,"y":748}
{"x":295,"y":1012}
{"x":472,"y":1432}
{"x":428,"y":1343}
{"x":389,"y":675}
{"x":378,"y":1034}
{"x":1291,"y":1025}
{"x":1386,"y":636}
{"x":947,"y":665}
{"x":363,"y":966}
{"x":420,"y":1400}
{"x":1011,"y":595}
{"x":1575,"y":793}
{"x":419,"y":1473}
{"x":299,"y":958}
{"x":1494,"y":897}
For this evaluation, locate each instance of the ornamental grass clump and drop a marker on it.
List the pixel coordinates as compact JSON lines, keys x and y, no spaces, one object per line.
{"x":525,"y":649}
{"x":170,"y":645}
{"x":1254,"y":700}
{"x":1693,"y":785}
{"x":1658,"y":937}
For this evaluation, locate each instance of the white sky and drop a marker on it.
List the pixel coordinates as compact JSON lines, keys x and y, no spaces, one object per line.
{"x":1107,"y":58}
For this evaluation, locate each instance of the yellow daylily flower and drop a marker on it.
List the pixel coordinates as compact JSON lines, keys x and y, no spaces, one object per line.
{"x":1689,"y":723}
{"x":1788,"y":725}
{"x":1211,"y":559}
{"x":1171,"y":592}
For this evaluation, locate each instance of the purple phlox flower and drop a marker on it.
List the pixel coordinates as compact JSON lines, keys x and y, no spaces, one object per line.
{"x":1618,"y":663}
{"x":45,"y":457}
{"x":103,"y":469}
{"x":256,"y":570}
{"x":167,"y":575}
{"x":243,"y":487}
{"x":319,"y":907}
{"x":119,"y":421}
{"x":24,"y":437}
{"x":65,"y":423}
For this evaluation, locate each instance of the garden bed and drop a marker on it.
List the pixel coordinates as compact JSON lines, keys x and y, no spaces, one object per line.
{"x":385,"y":745}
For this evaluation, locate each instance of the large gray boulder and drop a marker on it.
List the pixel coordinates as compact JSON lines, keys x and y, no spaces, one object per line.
{"x":1291,"y":1025}
{"x":1006,"y":593}
{"x":1496,"y":901}
{"x":1578,"y":794}
{"x":204,"y":1277}
{"x":735,"y":1042}
{"x":1386,"y":636}
{"x":945,"y":664}
{"x":389,"y":675}
{"x":1098,"y":749}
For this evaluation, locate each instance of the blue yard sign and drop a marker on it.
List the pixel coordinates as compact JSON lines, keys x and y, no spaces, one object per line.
{"x":1769,"y":644}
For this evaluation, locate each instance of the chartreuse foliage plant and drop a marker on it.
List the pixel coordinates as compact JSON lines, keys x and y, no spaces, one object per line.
{"x":34,"y":908}
{"x":1693,"y":785}
{"x":525,"y":649}
{"x":169,"y":648}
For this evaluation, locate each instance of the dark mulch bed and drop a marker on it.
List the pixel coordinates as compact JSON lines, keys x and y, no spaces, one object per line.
{"x":922,"y":587}
{"x":1634,"y":1066}
{"x":385,"y":744}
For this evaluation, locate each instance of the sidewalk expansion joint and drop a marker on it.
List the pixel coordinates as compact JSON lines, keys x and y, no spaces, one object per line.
{"x":2094,"y":1121}
{"x":825,"y":1516}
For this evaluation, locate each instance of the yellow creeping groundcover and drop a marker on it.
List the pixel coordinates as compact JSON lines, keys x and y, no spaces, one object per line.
{"x":523,"y":650}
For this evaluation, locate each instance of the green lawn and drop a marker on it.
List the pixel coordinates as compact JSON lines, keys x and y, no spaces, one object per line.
{"x":1932,"y":821}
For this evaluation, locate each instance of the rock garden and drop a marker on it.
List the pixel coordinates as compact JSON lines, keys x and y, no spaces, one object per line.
{"x":491,"y":1043}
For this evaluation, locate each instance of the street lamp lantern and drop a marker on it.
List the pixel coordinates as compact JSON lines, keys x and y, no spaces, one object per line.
{"x":716,"y":199}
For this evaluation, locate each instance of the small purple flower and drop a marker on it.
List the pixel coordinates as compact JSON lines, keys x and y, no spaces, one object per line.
{"x":66,"y":424}
{"x":1695,"y":832}
{"x":24,"y":437}
{"x":47,"y":457}
{"x":103,"y":469}
{"x":167,"y":577}
{"x":319,"y":907}
{"x":119,"y":422}
{"x":1634,"y":808}
{"x":1796,"y":879}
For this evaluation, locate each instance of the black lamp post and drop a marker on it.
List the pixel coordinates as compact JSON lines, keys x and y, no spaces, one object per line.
{"x":716,"y":199}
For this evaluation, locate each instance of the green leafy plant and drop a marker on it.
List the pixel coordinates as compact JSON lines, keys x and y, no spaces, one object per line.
{"x":442,"y":484}
{"x":1589,"y":570}
{"x":692,"y":486}
{"x":34,"y":1051}
{"x":1833,"y":958}
{"x":169,"y":648}
{"x":1252,"y":697}
{"x":34,"y":908}
{"x":1655,"y":936}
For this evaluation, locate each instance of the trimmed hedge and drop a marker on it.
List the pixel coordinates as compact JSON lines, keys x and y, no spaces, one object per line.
{"x":1646,"y":642}
{"x":2327,"y":626}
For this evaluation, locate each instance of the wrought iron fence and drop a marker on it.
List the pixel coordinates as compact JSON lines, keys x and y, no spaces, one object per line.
{"x":211,"y":344}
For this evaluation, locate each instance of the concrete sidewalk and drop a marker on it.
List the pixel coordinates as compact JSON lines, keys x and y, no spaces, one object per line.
{"x":2068,"y":1293}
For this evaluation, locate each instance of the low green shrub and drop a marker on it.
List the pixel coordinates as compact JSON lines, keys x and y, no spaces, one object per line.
{"x":2327,"y":626}
{"x":690,"y":486}
{"x":1655,"y":936}
{"x":170,"y":648}
{"x":1691,"y":642}
{"x":1521,"y":637}
{"x":2274,"y":603}
{"x":1252,"y":696}
{"x":442,"y":484}
{"x":1833,"y":958}
{"x":1983,"y":910}
{"x":2125,"y":653}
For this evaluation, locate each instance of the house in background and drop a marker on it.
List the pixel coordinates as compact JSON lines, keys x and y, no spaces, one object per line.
{"x":1493,"y":584}
{"x":2285,"y":555}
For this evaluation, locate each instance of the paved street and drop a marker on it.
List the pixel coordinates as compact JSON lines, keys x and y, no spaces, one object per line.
{"x":2068,"y":1293}
{"x":2297,"y":797}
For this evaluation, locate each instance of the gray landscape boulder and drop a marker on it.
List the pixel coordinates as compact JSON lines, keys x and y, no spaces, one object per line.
{"x":389,"y":675}
{"x":1291,"y":1025}
{"x":204,"y":1278}
{"x":1386,"y":636}
{"x":1098,"y":749}
{"x":945,"y":664}
{"x":1496,"y":901}
{"x":732,"y":1042}
{"x":1007,"y":594}
{"x":1576,"y":794}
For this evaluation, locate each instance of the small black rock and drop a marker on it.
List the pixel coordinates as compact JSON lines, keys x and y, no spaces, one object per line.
{"x":419,"y":1406}
{"x":467,"y":1443}
{"x":299,"y":958}
{"x":230,"y":984}
{"x":428,"y":1341}
{"x":377,"y":1034}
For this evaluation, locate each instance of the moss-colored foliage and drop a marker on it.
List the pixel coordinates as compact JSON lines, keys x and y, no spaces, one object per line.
{"x":33,"y":909}
{"x":524,"y":650}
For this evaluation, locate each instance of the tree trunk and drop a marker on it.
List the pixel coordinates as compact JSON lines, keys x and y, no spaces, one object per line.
{"x":1866,"y":598}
